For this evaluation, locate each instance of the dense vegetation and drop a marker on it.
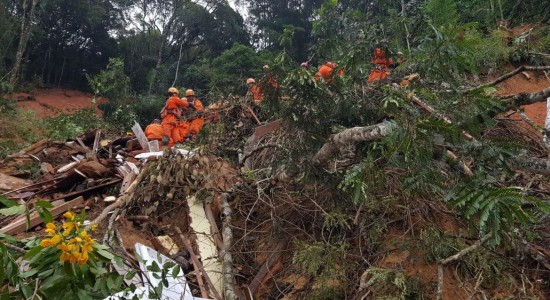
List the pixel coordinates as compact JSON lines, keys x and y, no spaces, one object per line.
{"x":131,"y":51}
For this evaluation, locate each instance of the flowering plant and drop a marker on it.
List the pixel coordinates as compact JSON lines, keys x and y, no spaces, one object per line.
{"x":69,"y":264}
{"x":74,"y":242}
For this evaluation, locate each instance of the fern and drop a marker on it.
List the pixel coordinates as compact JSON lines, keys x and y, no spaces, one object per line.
{"x":496,"y":209}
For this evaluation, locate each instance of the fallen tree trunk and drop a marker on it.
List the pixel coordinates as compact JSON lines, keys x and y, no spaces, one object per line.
{"x":225,"y":255}
{"x":352,"y":135}
{"x":506,"y":76}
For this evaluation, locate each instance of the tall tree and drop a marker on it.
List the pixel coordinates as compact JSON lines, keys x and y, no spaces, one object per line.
{"x":27,"y":15}
{"x":282,"y":24}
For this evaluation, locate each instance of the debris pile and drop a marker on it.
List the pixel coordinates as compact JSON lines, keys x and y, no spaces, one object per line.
{"x":168,"y":201}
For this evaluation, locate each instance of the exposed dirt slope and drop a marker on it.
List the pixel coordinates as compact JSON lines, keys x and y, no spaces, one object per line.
{"x":52,"y":102}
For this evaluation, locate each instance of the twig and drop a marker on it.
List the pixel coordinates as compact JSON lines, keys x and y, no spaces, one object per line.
{"x":455,"y":257}
{"x":253,"y":115}
{"x":15,"y":248}
{"x":35,"y":293}
{"x":120,"y":202}
{"x":260,"y":148}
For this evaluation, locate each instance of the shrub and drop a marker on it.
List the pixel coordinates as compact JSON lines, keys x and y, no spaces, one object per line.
{"x":64,"y":127}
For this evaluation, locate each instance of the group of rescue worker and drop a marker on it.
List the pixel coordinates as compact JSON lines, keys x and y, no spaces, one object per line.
{"x":182,"y":119}
{"x":381,"y":60}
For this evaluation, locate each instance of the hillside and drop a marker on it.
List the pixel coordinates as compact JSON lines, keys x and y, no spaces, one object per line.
{"x":350,"y":149}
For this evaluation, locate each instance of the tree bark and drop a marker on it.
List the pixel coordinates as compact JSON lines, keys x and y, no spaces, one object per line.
{"x":351,"y":135}
{"x":227,"y":258}
{"x":26,"y":27}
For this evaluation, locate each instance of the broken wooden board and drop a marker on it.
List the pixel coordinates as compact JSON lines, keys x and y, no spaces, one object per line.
{"x":207,"y":248}
{"x":21,"y":225}
{"x":138,"y":132}
{"x":93,"y":169}
{"x":261,"y":131}
{"x":265,"y":271}
{"x":8,"y":183}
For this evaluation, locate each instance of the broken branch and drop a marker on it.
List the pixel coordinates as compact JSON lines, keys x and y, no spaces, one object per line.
{"x":506,"y":76}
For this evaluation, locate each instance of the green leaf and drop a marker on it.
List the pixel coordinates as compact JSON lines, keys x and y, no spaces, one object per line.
{"x":105,"y":254}
{"x":176,"y":271}
{"x":43,"y":204}
{"x":14,"y":210}
{"x":28,"y":273}
{"x":33,"y":252}
{"x":154,"y":267}
{"x":8,"y":238}
{"x":130,"y":275}
{"x":7,"y":202}
{"x":83,"y":295}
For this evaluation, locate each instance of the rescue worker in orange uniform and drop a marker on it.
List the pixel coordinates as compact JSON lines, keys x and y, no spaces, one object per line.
{"x":154,"y":131}
{"x":325,"y":72}
{"x":195,"y":112}
{"x":382,"y":65}
{"x":170,"y":114}
{"x":254,"y":91}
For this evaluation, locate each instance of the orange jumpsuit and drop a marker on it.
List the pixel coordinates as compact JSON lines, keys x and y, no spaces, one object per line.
{"x":154,"y":132}
{"x":256,"y":94}
{"x":170,"y":121}
{"x":198,"y":122}
{"x":383,"y":64}
{"x":325,"y":72}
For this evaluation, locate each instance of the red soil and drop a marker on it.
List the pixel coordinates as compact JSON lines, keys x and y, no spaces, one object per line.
{"x":52,"y":102}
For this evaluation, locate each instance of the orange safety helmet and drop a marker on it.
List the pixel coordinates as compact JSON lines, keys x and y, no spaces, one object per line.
{"x":379,"y":52}
{"x":189,"y":92}
{"x":173,"y":90}
{"x":250,"y":80}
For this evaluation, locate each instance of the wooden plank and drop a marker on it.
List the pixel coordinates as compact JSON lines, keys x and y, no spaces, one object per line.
{"x":214,"y":231}
{"x":260,"y":131}
{"x":154,"y":146}
{"x":8,"y":182}
{"x":96,"y":141}
{"x":67,"y":167}
{"x":140,"y":135}
{"x":34,"y":148}
{"x":75,"y":194}
{"x":127,"y":181}
{"x":266,"y":267}
{"x":20,"y":225}
{"x":81,"y":143}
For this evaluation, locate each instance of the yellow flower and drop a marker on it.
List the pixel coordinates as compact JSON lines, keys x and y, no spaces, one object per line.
{"x":65,"y":256}
{"x":83,"y":258}
{"x":46,"y":243}
{"x":79,"y":240}
{"x":50,"y":232}
{"x":69,"y":225}
{"x":75,"y":256}
{"x":56,"y":239}
{"x":51,"y":226}
{"x":87,"y":248}
{"x":83,"y":234}
{"x":94,"y":227}
{"x":64,"y":247}
{"x":69,"y":215}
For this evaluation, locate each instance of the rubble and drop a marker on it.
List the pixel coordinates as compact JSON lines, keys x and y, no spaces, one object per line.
{"x":118,"y":179}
